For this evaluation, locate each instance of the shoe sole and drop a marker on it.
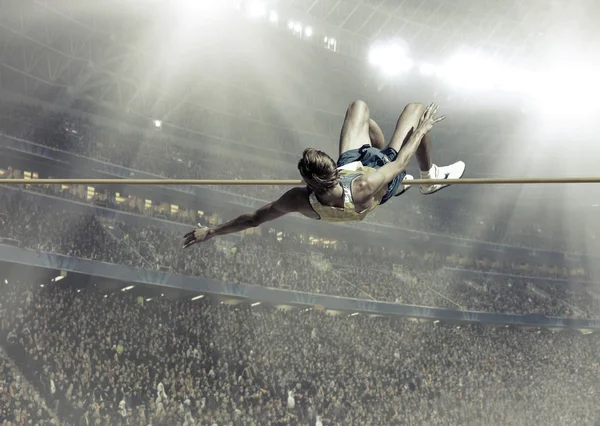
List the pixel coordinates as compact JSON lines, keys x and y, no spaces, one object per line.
{"x":444,"y":186}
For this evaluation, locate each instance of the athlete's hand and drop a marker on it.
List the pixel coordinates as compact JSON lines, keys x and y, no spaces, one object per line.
{"x":428,"y":119}
{"x":198,"y":235}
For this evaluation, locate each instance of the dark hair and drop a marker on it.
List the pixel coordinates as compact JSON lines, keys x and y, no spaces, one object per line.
{"x":318,"y":170}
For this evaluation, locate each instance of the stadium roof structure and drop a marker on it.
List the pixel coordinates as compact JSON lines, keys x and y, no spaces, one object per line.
{"x":53,"y":49}
{"x":509,"y":29}
{"x":60,"y":52}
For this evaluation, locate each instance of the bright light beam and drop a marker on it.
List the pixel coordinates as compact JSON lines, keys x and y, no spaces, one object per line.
{"x":273,"y":17}
{"x":471,"y":71}
{"x":256,"y":10}
{"x":392,"y":59}
{"x":565,"y":92}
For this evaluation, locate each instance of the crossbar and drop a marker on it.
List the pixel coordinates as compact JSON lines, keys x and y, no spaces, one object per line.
{"x":263,"y":182}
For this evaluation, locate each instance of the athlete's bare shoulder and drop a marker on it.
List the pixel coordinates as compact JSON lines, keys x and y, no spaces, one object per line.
{"x":296,"y":199}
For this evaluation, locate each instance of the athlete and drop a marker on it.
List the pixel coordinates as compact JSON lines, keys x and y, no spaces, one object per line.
{"x":366,"y":175}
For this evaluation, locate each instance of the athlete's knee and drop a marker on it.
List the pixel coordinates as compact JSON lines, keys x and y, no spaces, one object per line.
{"x":359,"y":108}
{"x":415,"y":108}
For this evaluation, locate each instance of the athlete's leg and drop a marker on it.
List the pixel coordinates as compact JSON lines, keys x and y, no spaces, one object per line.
{"x":376,"y":135}
{"x":355,"y":131}
{"x":407,"y":123}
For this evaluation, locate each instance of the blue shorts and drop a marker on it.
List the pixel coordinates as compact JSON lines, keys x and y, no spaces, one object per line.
{"x":374,"y":158}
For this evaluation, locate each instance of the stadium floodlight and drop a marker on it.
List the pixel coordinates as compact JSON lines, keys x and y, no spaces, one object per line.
{"x":291,"y":25}
{"x":200,"y":8}
{"x":148,"y":299}
{"x":354,"y":314}
{"x":157,"y":123}
{"x":57,"y":279}
{"x":397,"y":65}
{"x":273,"y":17}
{"x":42,"y":285}
{"x":5,"y":281}
{"x":127,"y":288}
{"x":376,"y":55}
{"x":308,"y":31}
{"x":256,"y":9}
{"x":298,"y":27}
{"x":255,"y":304}
{"x":390,"y":58}
{"x":331,"y":43}
{"x":198,"y":297}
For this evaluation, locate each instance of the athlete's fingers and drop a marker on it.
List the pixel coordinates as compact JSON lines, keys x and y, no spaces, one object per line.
{"x":189,"y":244}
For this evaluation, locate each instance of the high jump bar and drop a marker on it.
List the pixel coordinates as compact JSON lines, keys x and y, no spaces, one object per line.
{"x":263,"y":182}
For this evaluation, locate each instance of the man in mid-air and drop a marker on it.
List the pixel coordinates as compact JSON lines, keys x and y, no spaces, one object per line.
{"x":366,"y":175}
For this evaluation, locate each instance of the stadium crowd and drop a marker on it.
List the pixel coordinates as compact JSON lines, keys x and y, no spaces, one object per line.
{"x":292,"y":264}
{"x":20,"y":403}
{"x":172,"y":159}
{"x":107,"y":359}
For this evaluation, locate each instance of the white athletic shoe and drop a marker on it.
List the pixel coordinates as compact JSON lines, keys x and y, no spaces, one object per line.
{"x":453,"y":171}
{"x":403,"y":188}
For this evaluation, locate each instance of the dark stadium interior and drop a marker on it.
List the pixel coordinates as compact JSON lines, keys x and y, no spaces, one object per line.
{"x":477,"y":306}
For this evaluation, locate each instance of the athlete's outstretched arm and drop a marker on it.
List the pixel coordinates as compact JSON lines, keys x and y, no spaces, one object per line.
{"x":373,"y":182}
{"x":288,"y":203}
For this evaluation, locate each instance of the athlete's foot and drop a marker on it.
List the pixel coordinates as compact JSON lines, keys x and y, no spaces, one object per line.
{"x":453,"y":171}
{"x":403,"y":188}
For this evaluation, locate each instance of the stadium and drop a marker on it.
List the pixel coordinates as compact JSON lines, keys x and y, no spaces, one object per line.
{"x":479,"y":305}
